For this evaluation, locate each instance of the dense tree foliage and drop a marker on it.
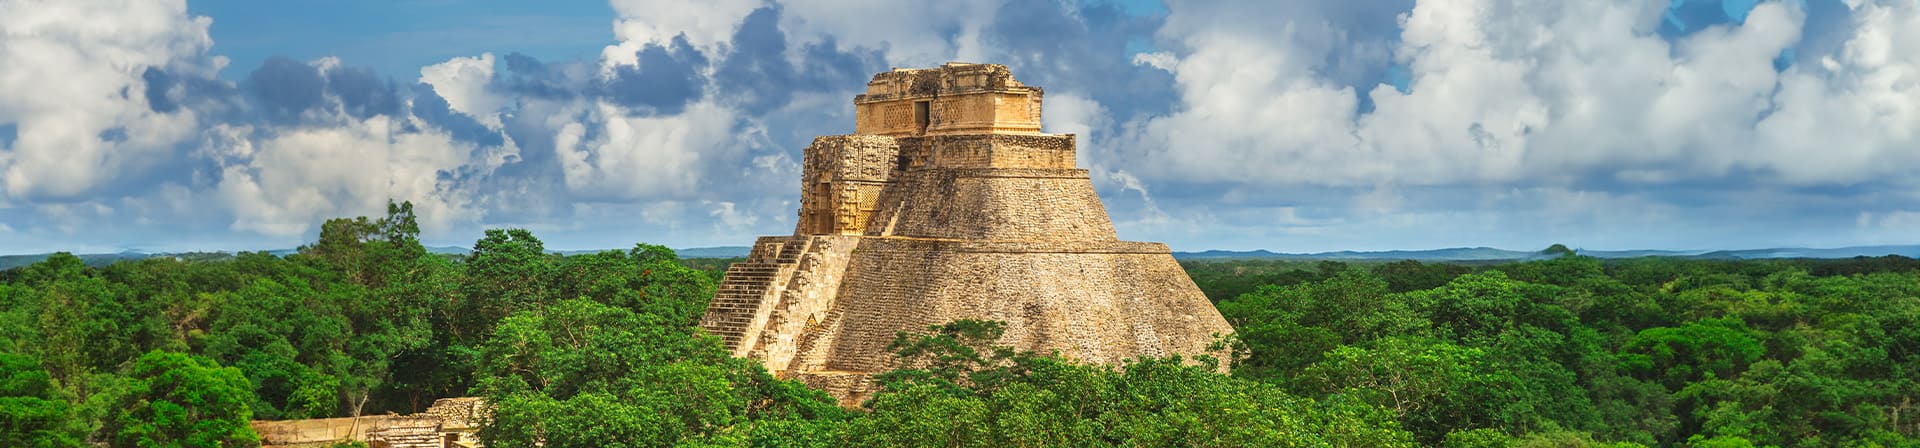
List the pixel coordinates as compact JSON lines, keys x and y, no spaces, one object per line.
{"x":589,"y":350}
{"x":1575,"y":351}
{"x":602,"y":349}
{"x":180,"y":400}
{"x":32,"y":412}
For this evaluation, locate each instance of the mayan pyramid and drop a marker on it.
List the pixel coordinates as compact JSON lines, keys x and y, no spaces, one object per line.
{"x":948,"y":203}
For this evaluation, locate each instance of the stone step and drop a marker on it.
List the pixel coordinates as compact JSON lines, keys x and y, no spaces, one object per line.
{"x":792,"y":252}
{"x":742,"y":293}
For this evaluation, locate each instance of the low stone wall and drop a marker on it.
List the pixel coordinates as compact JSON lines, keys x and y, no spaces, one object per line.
{"x":449,"y":423}
{"x":313,"y":432}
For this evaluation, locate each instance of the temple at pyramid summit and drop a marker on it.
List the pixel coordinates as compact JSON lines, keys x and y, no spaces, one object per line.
{"x":947,"y":203}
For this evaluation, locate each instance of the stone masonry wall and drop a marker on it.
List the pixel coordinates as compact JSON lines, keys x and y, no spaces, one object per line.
{"x":993,"y":204}
{"x":988,"y":151}
{"x":1095,"y":307}
{"x":451,"y":420}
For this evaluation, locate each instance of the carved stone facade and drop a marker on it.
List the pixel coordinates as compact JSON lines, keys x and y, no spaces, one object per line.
{"x":953,"y":99}
{"x":946,"y":204}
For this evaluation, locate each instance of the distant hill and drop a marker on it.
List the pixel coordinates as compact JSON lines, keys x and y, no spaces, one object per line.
{"x":1450,"y":254}
{"x":450,"y":250}
{"x":714,"y":252}
{"x":14,"y":261}
{"x":1844,"y":252}
{"x":1492,"y":254}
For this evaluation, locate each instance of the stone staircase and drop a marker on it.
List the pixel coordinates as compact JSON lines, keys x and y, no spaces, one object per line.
{"x":408,"y":437}
{"x":750,"y":289}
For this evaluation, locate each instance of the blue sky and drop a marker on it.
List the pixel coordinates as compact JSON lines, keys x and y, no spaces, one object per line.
{"x":1293,"y":126}
{"x":397,"y":37}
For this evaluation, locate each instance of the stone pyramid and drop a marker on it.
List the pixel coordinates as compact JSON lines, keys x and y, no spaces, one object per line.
{"x":948,"y":203}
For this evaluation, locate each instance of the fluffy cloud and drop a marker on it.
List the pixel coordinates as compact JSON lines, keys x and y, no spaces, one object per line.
{"x":479,"y":140}
{"x":707,"y":24}
{"x":303,"y":176}
{"x":1854,"y":116}
{"x":1586,"y":98}
{"x":637,"y":157}
{"x":913,"y":34}
{"x":1301,"y":125}
{"x":1544,"y":93}
{"x":72,"y":88}
{"x":465,"y":83}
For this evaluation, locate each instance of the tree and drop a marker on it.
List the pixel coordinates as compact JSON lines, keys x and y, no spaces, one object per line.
{"x":180,"y":400}
{"x":960,"y":390}
{"x":32,"y":414}
{"x":507,"y":273}
{"x":393,"y":290}
{"x":1704,"y":349}
{"x":1288,"y":328}
{"x":579,"y":373}
{"x":1411,"y":275}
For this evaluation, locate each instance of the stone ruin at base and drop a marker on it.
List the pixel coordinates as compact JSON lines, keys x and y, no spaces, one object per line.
{"x":448,"y":423}
{"x":948,"y":203}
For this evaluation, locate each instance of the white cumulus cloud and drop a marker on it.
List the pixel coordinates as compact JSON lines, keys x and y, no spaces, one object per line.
{"x":707,"y":25}
{"x":463,"y":82}
{"x":301,"y":177}
{"x":71,"y":81}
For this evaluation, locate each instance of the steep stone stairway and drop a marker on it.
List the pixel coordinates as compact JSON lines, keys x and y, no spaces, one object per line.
{"x":750,"y":288}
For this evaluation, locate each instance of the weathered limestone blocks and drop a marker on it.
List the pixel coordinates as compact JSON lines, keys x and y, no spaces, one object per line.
{"x":448,"y":423}
{"x":948,"y":204}
{"x":1024,"y":205}
{"x":1095,"y":307}
{"x":989,"y":151}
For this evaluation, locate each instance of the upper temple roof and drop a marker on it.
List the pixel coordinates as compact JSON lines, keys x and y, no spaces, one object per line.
{"x":952,"y":78}
{"x":955,"y":98}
